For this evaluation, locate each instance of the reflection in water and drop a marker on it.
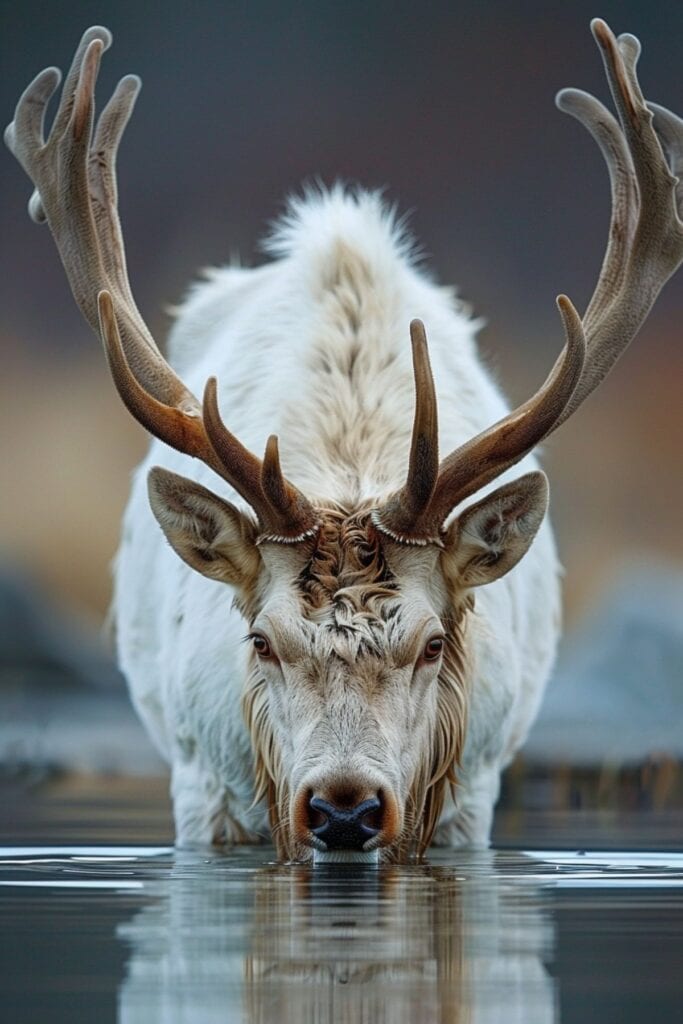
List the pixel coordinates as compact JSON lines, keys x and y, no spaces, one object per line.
{"x":223,"y":942}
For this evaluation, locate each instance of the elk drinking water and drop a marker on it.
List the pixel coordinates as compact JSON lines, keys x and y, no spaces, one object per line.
{"x":393,"y":662}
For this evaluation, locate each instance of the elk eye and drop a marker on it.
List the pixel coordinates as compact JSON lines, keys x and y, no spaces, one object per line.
{"x":433,"y":648}
{"x":261,"y":646}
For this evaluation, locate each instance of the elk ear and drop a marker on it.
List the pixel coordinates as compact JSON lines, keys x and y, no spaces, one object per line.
{"x":208,"y":533}
{"x":489,"y":538}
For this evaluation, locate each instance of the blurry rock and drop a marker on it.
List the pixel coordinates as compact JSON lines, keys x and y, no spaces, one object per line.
{"x":617,"y":694}
{"x":63,"y":703}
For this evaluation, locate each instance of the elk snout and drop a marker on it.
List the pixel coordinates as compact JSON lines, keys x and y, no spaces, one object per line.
{"x":346,"y":817}
{"x":342,"y":828}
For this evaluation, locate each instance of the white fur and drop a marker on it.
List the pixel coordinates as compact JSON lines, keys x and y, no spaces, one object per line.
{"x":277,"y":338}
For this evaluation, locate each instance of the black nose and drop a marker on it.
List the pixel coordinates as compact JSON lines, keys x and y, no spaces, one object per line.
{"x":345,"y":828}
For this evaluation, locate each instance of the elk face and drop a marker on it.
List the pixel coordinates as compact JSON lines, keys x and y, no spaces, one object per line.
{"x":356,"y":695}
{"x":347,"y":657}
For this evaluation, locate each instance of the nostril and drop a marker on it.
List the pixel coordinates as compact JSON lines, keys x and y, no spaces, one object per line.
{"x":318,"y":814}
{"x":371,"y":820}
{"x":369,"y":817}
{"x":316,"y":819}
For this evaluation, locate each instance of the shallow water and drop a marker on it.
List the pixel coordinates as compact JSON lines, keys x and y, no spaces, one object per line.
{"x":142,"y":934}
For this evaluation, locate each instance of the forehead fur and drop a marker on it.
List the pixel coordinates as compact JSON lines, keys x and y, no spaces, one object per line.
{"x":347,"y":577}
{"x":350,"y":587}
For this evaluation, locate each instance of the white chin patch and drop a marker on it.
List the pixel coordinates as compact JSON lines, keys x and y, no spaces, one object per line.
{"x":345,"y":857}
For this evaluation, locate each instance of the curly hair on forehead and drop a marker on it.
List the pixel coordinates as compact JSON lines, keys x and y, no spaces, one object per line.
{"x":348,"y":573}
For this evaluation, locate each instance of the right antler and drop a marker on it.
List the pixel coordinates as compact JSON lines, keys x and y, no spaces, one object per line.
{"x":645,"y":247}
{"x":75,"y":191}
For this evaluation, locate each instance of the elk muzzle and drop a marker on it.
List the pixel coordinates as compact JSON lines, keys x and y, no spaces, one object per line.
{"x":346,"y":816}
{"x":344,"y":829}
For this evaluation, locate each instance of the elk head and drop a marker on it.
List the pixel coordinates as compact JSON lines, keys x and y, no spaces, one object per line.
{"x":357,"y":691}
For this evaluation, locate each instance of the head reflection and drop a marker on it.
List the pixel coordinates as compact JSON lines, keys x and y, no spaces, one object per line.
{"x":295,"y":945}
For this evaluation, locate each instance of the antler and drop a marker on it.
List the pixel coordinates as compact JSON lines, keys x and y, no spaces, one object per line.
{"x":75,"y":191}
{"x":645,"y":247}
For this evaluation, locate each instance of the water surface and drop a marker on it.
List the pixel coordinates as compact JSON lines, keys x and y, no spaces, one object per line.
{"x":149,"y":934}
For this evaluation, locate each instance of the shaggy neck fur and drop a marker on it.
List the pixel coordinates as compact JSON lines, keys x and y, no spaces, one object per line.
{"x":347,"y":585}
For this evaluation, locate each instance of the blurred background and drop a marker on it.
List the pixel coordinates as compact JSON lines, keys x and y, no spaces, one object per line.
{"x":450,"y":107}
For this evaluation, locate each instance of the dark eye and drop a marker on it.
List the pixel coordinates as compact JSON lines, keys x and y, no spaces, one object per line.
{"x":261,"y":646}
{"x":433,"y":648}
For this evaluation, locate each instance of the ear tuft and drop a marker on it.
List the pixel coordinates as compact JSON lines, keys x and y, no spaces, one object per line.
{"x":208,"y":533}
{"x":490,"y":537}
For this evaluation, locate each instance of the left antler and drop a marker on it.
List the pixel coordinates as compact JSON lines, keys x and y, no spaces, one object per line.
{"x":75,"y":191}
{"x":644,"y":249}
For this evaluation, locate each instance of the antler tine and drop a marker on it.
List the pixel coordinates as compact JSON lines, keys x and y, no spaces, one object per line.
{"x":398,"y":515}
{"x":423,"y":467}
{"x":104,"y":190}
{"x":285,"y":514}
{"x":293,"y":511}
{"x":605,"y":130}
{"x":273,"y":482}
{"x":75,"y":180}
{"x":26,"y":131}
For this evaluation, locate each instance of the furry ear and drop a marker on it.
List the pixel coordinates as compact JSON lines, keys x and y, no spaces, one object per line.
{"x":490,"y":537}
{"x":208,"y":533}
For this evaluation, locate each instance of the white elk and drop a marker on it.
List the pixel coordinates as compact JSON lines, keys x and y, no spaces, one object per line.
{"x":394,"y":664}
